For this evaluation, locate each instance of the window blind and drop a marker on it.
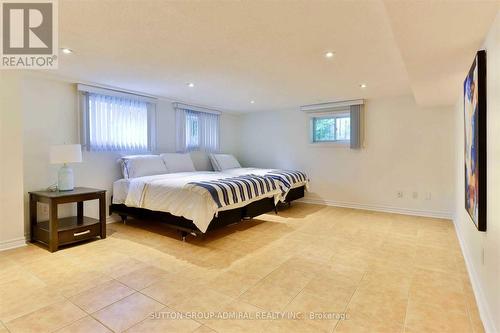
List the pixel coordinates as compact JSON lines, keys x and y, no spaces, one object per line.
{"x":116,"y":121}
{"x":196,"y":129}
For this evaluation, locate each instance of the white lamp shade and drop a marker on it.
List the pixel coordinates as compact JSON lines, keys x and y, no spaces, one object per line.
{"x":60,"y":154}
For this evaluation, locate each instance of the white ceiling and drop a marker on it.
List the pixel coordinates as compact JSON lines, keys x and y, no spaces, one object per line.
{"x":438,"y":40}
{"x":273,"y":52}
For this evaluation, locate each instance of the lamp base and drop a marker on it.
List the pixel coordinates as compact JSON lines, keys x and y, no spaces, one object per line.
{"x":65,"y":180}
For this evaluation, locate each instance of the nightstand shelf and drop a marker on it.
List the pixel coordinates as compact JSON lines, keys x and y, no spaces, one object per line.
{"x":68,"y":223}
{"x":62,"y":231}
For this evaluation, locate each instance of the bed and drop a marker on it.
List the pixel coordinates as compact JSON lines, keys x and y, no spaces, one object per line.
{"x":167,"y":188}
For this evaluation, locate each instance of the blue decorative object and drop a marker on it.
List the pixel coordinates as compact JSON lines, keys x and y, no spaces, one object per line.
{"x":475,"y":132}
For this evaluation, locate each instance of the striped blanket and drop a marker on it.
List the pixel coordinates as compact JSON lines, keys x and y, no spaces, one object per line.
{"x":235,"y":190}
{"x":287,"y":179}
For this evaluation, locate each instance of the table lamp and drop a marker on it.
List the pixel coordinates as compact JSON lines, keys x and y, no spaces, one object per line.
{"x":63,"y":154}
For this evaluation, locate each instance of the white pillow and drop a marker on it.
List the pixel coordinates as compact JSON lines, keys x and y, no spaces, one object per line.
{"x":225,"y":161}
{"x":176,"y":162}
{"x":213,"y":161}
{"x":142,"y":165}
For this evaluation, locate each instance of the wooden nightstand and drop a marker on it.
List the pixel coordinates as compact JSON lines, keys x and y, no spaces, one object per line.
{"x":56,"y":232}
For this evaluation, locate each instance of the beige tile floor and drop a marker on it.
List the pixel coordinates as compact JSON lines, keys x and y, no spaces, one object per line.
{"x":379,"y":272}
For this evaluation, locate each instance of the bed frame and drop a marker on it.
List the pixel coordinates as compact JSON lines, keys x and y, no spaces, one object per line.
{"x":224,"y":218}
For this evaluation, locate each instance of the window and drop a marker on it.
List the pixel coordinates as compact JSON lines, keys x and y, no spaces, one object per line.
{"x":336,"y":123}
{"x":331,"y":128}
{"x":117,"y":121}
{"x":192,"y":131}
{"x":196,"y":129}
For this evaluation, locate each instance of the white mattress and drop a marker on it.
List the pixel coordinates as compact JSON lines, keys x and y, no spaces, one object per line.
{"x":166,"y":193}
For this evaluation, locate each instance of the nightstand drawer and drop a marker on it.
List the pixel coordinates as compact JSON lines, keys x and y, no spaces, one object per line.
{"x":69,"y":231}
{"x":79,"y":233}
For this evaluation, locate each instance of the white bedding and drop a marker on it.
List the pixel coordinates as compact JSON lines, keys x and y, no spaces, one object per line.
{"x":120,"y":191}
{"x":166,"y":193}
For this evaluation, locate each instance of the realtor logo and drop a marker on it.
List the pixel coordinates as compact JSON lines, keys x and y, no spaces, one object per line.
{"x":28,"y":34}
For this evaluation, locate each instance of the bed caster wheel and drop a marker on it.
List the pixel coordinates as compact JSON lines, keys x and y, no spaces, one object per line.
{"x":124,"y":219}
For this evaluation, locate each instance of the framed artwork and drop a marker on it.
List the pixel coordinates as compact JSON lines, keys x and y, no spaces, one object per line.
{"x":475,"y":141}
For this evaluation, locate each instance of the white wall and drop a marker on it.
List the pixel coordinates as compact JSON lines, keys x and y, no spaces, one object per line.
{"x":407,"y":148}
{"x":50,"y":116}
{"x":11,"y":162}
{"x":485,"y":275}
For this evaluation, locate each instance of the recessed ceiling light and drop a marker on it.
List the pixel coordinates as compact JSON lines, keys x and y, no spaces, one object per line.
{"x":329,"y":54}
{"x":362,"y":85}
{"x":190,"y":84}
{"x":67,"y":51}
{"x":252,"y":102}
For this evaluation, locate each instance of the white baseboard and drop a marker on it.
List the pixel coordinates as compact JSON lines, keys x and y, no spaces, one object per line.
{"x":379,"y":208}
{"x":484,"y":311}
{"x":12,"y":243}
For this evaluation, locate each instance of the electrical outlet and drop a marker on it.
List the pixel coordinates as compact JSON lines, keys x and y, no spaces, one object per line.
{"x":428,"y":196}
{"x":415,"y":195}
{"x":399,"y":194}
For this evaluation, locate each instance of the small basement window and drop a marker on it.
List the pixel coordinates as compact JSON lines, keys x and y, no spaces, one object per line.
{"x":336,"y":123}
{"x":331,"y":128}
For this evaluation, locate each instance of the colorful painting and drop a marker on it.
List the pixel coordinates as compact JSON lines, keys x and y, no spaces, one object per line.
{"x":475,"y":141}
